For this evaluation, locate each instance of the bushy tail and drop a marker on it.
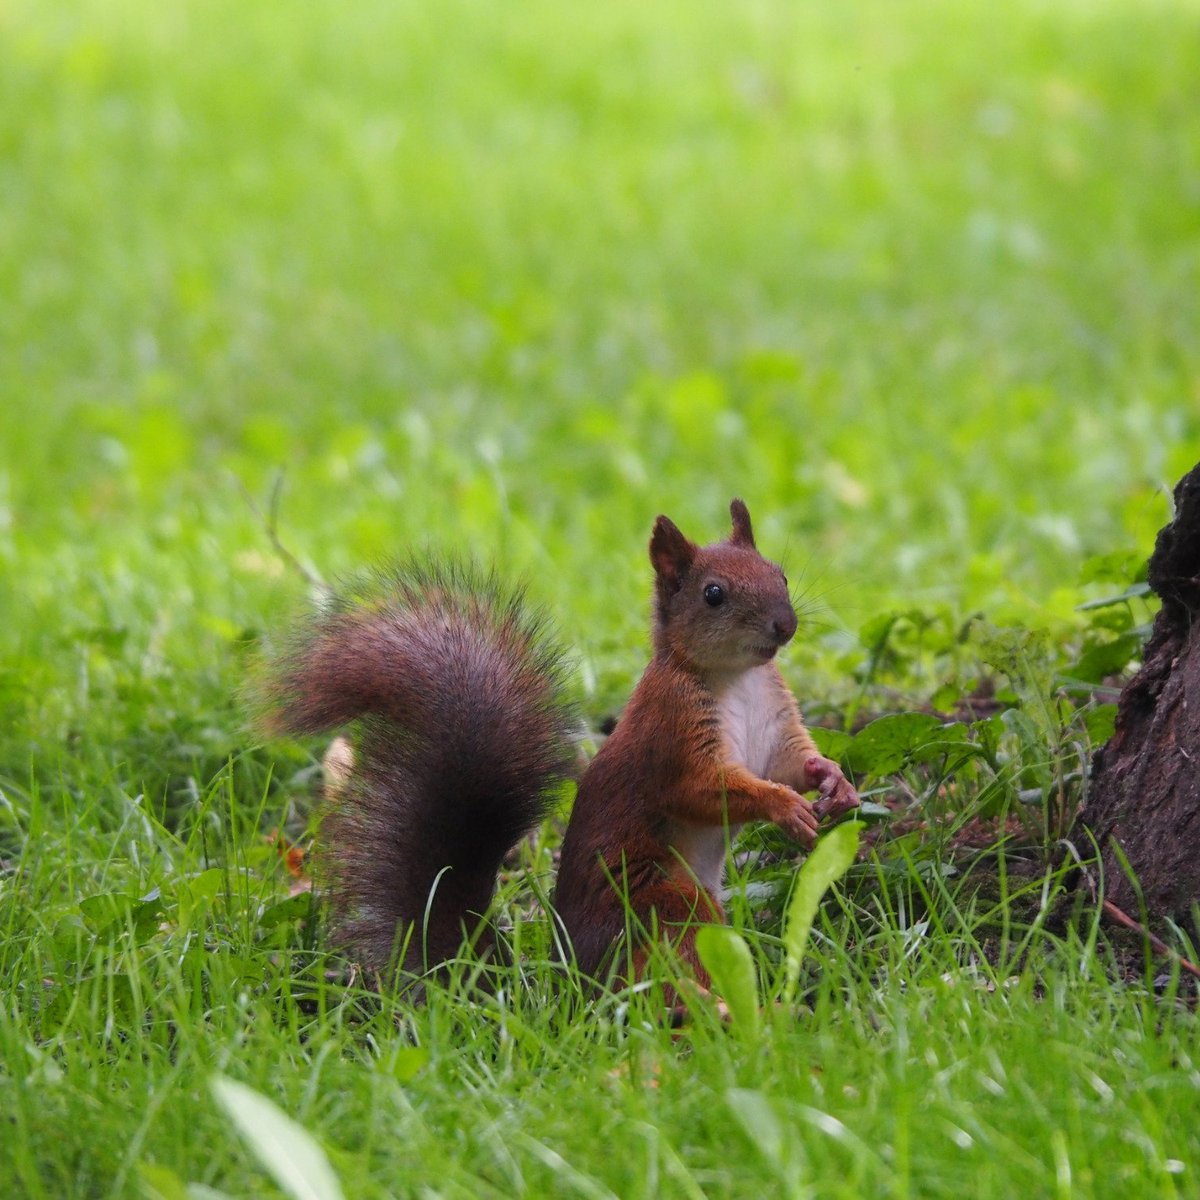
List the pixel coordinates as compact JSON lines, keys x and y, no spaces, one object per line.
{"x":463,"y":730}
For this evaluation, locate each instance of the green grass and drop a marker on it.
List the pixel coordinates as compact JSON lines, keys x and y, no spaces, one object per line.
{"x":918,"y":281}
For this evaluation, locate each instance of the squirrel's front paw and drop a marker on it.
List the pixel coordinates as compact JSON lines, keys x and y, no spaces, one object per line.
{"x":836,"y":794}
{"x":800,"y":819}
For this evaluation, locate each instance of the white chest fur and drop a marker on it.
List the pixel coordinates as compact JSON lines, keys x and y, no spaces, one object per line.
{"x":752,"y":718}
{"x":752,"y":722}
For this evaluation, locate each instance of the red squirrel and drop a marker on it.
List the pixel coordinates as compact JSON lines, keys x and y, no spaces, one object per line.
{"x":464,"y":732}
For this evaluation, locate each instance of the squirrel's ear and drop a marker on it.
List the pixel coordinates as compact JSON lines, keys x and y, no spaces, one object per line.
{"x":743,"y":533}
{"x":671,"y":553}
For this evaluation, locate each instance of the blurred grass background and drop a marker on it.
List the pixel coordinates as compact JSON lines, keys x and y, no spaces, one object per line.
{"x":918,"y":280}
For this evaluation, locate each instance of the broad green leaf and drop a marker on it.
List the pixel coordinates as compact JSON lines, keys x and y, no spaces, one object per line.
{"x":727,"y":958}
{"x":989,"y":731}
{"x":1106,"y":658}
{"x":101,"y":912}
{"x":286,"y":1149}
{"x":291,"y":909}
{"x":200,"y":890}
{"x":829,"y":861}
{"x":885,"y":745}
{"x":109,"y":911}
{"x":831,"y":742}
{"x":205,"y":885}
{"x":148,"y":913}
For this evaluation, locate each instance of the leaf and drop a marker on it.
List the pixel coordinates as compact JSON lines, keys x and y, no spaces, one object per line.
{"x":148,"y":914}
{"x":831,"y":742}
{"x":293,"y":908}
{"x":885,"y":745}
{"x":951,"y":739}
{"x":759,"y":1122}
{"x":105,"y":912}
{"x":989,"y":731}
{"x":727,"y":958}
{"x":1100,"y":722}
{"x":829,"y":861}
{"x":874,"y":633}
{"x":1106,"y":658}
{"x":408,"y":1061}
{"x":1132,"y":592}
{"x":286,"y":1149}
{"x":102,"y":912}
{"x":196,"y":893}
{"x":160,"y":1183}
{"x":206,"y":884}
{"x":1117,"y":566}
{"x":869,"y":812}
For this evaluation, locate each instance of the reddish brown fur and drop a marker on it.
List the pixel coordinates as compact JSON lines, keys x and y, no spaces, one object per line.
{"x":462,"y":729}
{"x":667,"y":768}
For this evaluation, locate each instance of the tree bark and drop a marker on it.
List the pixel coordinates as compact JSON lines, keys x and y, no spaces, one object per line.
{"x":1144,"y":797}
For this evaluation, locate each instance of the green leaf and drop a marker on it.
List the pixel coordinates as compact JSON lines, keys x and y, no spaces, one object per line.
{"x":286,"y":1149}
{"x":291,"y":909}
{"x":1117,"y":566}
{"x":875,"y":632}
{"x":989,"y":731}
{"x":105,"y":912}
{"x":831,"y":742}
{"x":102,"y":912}
{"x":1132,"y":592}
{"x":727,"y":958}
{"x":206,"y":884}
{"x":160,"y":1183}
{"x":1107,"y":658}
{"x":408,"y":1062}
{"x":759,"y":1122}
{"x":198,"y":892}
{"x":869,"y":812}
{"x":885,"y":745}
{"x":829,"y":861}
{"x":952,"y":738}
{"x":1100,"y":722}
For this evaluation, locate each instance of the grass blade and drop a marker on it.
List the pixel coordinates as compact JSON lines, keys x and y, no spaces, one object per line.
{"x":287,"y":1150}
{"x":727,"y":958}
{"x":829,"y":861}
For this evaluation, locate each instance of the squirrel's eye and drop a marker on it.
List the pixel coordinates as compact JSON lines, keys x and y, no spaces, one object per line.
{"x":714,"y":594}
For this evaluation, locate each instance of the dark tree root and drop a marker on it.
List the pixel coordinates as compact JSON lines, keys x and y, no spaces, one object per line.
{"x":1143,"y":807}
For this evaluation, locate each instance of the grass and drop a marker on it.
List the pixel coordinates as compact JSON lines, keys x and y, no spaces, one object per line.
{"x":918,"y":282}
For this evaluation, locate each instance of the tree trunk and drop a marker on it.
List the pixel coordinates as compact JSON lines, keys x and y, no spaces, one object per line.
{"x":1144,"y":796}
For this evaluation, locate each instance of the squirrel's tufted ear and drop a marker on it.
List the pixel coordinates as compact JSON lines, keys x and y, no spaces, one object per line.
{"x":671,"y":553}
{"x":743,"y":533}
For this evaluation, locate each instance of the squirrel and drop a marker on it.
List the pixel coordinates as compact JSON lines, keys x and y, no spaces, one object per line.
{"x":465,"y":733}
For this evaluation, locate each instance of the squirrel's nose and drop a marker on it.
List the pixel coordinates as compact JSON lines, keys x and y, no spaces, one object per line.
{"x":783,"y":626}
